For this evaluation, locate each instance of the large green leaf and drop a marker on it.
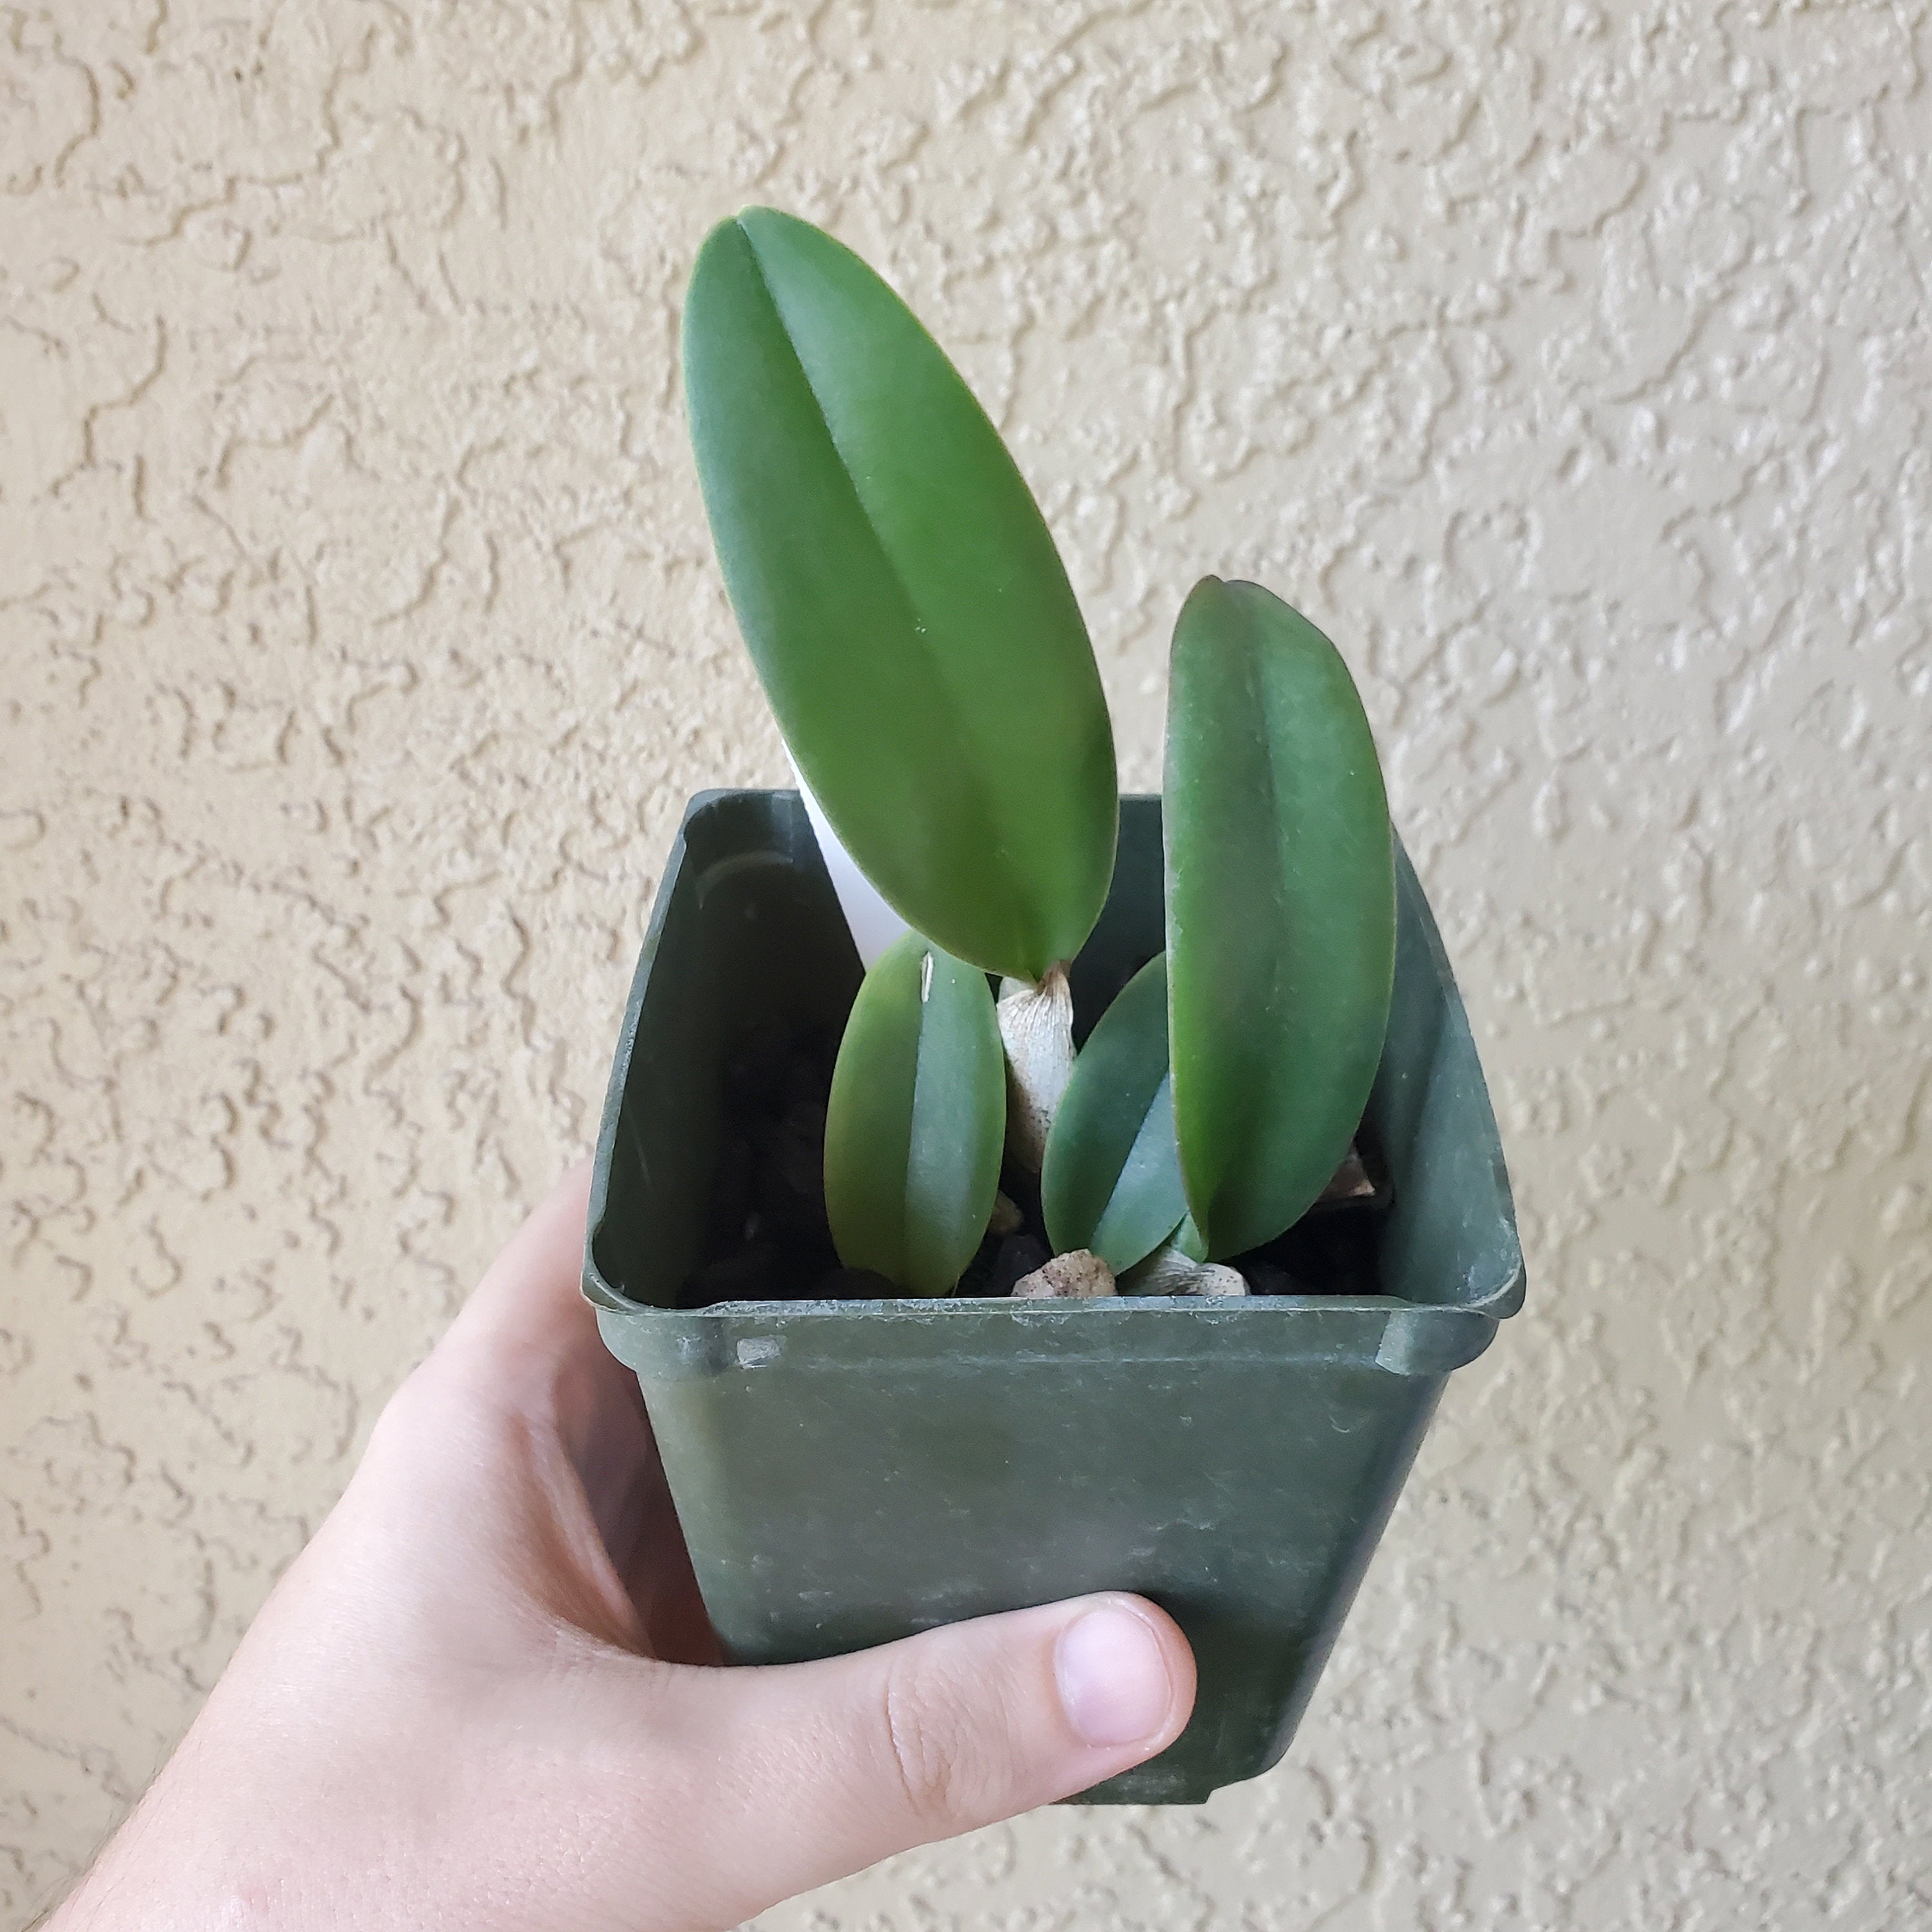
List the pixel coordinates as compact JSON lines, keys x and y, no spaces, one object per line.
{"x":916,"y":1119}
{"x":1280,"y":911}
{"x":1111,"y":1182}
{"x":902,"y":597}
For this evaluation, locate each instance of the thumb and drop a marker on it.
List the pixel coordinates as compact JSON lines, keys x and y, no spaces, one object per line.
{"x":822,"y":1768}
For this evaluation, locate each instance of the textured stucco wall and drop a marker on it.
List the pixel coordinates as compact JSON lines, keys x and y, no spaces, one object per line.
{"x":359,"y":640}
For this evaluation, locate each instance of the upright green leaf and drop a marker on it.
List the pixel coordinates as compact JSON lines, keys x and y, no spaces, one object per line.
{"x":916,"y":1119}
{"x":901,"y":597}
{"x":1280,"y":911}
{"x":1111,"y":1182}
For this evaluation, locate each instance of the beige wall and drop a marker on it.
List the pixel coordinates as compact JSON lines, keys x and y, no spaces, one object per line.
{"x":1570,"y":364}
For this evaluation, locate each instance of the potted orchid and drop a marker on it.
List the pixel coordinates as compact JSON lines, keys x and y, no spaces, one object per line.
{"x":1006,"y":1189}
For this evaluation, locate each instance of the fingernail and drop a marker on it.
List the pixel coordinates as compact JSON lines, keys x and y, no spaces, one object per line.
{"x":1113,"y":1679}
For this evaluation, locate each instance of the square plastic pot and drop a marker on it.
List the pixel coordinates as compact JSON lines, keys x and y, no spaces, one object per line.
{"x":847,"y":1472}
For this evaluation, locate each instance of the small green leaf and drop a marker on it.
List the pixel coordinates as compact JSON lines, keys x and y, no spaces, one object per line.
{"x":1280,"y":911}
{"x":915,"y":1118}
{"x":1187,"y":1239}
{"x":902,"y":597}
{"x":1111,"y":1182}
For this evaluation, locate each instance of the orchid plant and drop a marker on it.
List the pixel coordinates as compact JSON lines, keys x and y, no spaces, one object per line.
{"x":923,"y":649}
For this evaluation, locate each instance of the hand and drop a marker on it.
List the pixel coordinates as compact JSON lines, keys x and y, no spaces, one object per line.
{"x":486,"y":1695}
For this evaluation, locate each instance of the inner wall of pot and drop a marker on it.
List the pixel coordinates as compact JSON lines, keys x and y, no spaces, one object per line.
{"x":750,"y":936}
{"x":751,"y":940}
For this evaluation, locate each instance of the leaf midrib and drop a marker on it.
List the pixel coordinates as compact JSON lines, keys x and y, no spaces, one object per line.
{"x":984,"y":819}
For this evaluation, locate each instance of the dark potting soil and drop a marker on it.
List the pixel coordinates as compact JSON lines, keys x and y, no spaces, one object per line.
{"x":767,"y":1239}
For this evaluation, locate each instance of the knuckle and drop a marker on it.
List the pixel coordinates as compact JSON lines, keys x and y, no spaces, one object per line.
{"x":937,"y":1747}
{"x":405,"y":1420}
{"x":424,"y":1413}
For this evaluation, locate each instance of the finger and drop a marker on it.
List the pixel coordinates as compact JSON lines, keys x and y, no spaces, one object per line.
{"x":531,"y":1296}
{"x":529,"y":1333}
{"x":817,"y":1770}
{"x":527,"y":1339}
{"x":648,"y":1548}
{"x":524,"y":1352}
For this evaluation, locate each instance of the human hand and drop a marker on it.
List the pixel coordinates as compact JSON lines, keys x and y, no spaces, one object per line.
{"x":486,"y":1695}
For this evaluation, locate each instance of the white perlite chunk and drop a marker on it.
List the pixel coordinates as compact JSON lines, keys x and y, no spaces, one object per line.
{"x":1036,"y":1026}
{"x":1167,"y":1271}
{"x":1077,"y":1276}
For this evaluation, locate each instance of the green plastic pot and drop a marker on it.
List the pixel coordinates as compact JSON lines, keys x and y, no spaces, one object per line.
{"x":849,"y":1472}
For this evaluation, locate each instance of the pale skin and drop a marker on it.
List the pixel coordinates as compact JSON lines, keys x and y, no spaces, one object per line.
{"x":485,"y":1695}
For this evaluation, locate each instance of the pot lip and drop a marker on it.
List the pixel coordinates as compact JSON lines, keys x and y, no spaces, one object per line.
{"x":1410,"y":1339}
{"x":927,"y":1307}
{"x":931,"y":1308}
{"x":1240,"y":1307}
{"x":1503,"y":1298}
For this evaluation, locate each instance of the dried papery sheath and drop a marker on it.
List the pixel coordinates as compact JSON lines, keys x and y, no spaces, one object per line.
{"x":1036,"y":1028}
{"x":873,"y":923}
{"x":1217,"y":1278}
{"x":1352,"y":1182}
{"x":1007,"y":1219}
{"x":1167,"y":1271}
{"x":1079,"y":1277}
